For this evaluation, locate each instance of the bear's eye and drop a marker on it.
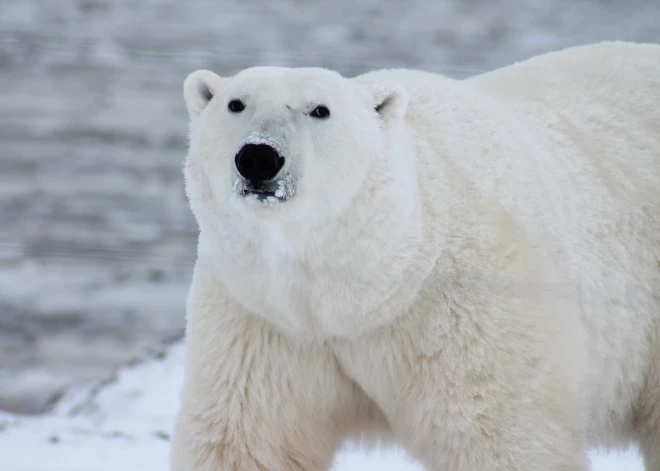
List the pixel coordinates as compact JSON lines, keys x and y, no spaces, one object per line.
{"x":320,"y":112}
{"x":236,"y":106}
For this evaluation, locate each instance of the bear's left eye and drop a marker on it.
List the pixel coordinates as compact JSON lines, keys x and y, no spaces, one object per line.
{"x":320,"y":112}
{"x":236,"y":106}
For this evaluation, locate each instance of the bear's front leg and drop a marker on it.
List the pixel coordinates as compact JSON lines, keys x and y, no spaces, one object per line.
{"x":474,"y":420}
{"x":253,"y":400}
{"x":469,"y":386}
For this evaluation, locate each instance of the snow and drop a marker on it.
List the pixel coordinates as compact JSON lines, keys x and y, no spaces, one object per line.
{"x":260,"y":138}
{"x":285,"y":188}
{"x":124,"y":423}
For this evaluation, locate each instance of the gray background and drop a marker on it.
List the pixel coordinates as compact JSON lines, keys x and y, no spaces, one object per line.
{"x":96,"y":240}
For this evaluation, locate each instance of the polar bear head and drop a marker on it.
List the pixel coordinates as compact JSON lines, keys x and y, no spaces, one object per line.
{"x":300,"y":181}
{"x":294,"y":145}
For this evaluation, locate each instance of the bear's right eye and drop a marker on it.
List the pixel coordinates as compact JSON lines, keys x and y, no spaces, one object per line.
{"x":321,"y":112}
{"x":236,"y":106}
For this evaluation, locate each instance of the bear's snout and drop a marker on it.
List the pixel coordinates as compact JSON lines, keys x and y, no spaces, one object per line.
{"x":258,"y":163}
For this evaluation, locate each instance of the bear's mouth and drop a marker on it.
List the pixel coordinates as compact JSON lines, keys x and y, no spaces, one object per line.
{"x":259,"y":194}
{"x":277,"y":191}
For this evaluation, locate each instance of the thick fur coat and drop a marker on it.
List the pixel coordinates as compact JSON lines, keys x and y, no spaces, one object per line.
{"x":470,"y":268}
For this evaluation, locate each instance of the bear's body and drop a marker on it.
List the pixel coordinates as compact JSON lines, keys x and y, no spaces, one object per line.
{"x":469,"y":267}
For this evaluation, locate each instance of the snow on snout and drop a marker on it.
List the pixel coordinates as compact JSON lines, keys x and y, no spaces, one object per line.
{"x":262,"y":138}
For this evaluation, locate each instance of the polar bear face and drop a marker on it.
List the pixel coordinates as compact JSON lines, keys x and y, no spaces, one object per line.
{"x":300,"y":181}
{"x":283,"y":144}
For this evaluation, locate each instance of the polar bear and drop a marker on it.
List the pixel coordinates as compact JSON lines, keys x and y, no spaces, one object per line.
{"x":468,"y":267}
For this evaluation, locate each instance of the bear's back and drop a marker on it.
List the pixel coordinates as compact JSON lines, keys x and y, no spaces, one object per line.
{"x":603,"y":98}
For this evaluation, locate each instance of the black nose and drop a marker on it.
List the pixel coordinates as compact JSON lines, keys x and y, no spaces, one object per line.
{"x":258,"y":162}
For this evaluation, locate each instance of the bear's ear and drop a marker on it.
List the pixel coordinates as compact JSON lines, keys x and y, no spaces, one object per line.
{"x":199,"y":88}
{"x":390,"y":100}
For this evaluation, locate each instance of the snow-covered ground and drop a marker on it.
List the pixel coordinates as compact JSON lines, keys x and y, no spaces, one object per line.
{"x":124,"y":423}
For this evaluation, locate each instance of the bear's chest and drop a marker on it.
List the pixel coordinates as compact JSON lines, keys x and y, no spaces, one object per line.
{"x":341,"y":300}
{"x":280,"y":291}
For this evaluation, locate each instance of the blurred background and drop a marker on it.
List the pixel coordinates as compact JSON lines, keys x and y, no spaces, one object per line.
{"x":97,"y":243}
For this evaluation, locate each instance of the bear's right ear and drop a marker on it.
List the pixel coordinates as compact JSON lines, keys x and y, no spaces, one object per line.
{"x":390,"y":100}
{"x":199,"y":88}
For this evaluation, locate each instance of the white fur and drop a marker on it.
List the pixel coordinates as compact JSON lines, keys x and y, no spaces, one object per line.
{"x":473,"y":268}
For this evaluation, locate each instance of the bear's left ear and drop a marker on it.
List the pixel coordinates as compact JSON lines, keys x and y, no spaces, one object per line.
{"x":199,"y":88}
{"x":390,"y":100}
